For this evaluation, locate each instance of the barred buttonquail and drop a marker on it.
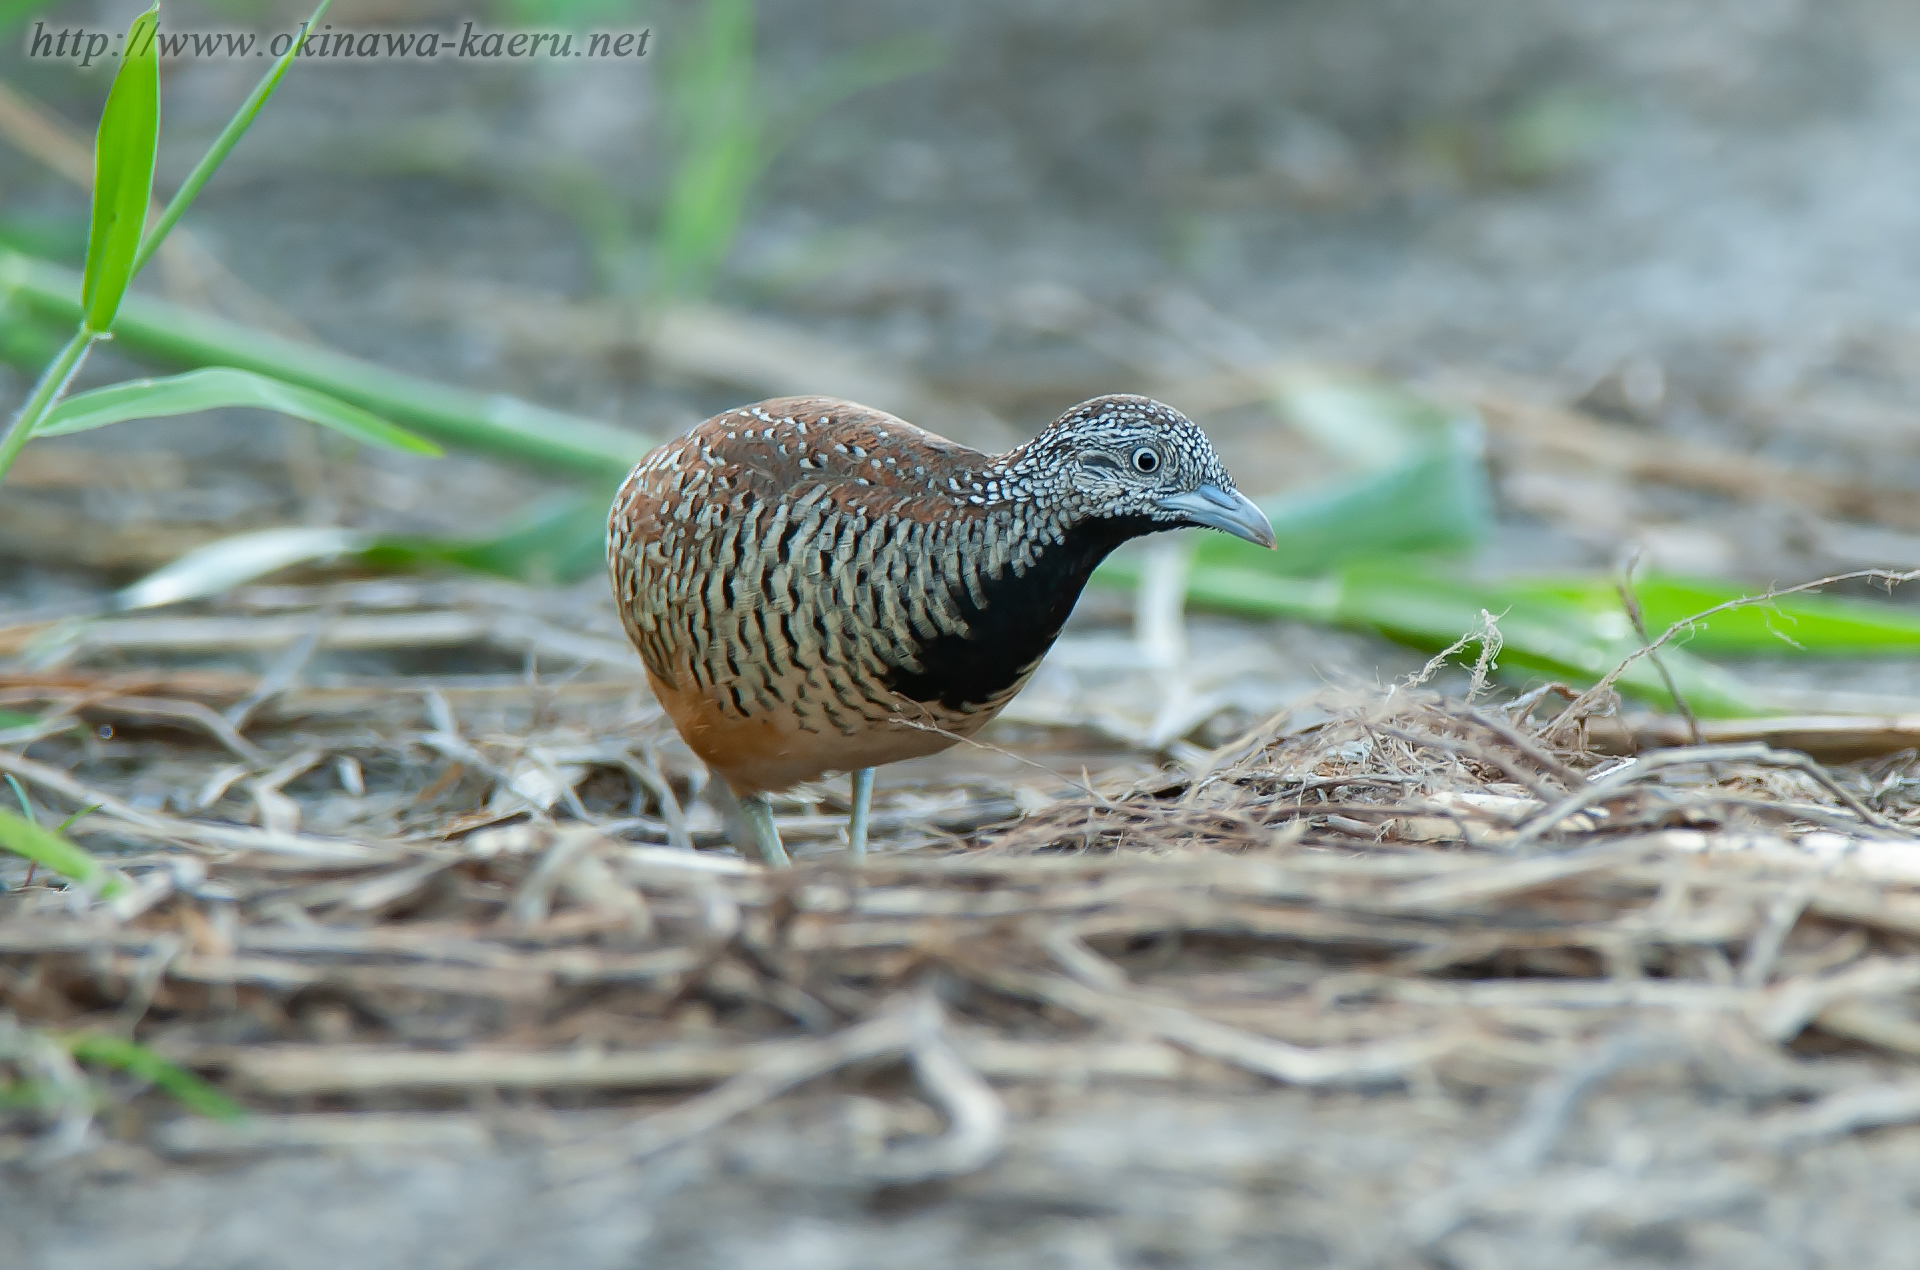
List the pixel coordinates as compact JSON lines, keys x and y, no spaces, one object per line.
{"x":819,"y":587}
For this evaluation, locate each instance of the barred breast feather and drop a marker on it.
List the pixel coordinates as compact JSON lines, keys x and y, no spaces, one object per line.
{"x":815,"y":586}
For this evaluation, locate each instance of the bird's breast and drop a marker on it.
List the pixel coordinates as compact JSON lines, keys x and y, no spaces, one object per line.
{"x":817,"y":581}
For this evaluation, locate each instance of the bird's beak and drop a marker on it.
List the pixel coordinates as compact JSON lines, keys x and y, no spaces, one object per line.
{"x":1226,"y":510}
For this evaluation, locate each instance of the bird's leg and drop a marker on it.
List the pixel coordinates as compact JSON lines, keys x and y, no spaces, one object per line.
{"x":749,"y":824}
{"x":757,"y":811}
{"x":857,"y":818}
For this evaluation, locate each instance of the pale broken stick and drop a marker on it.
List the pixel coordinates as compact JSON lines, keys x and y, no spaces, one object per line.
{"x":914,"y":1027}
{"x":425,"y":629}
{"x":308,"y":1070}
{"x":1831,"y":738}
{"x":1103,"y":999}
{"x":133,"y":821}
{"x":188,"y":713}
{"x":1621,"y":777}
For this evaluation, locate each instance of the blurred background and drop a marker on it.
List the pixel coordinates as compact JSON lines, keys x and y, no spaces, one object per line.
{"x":1691,"y":223}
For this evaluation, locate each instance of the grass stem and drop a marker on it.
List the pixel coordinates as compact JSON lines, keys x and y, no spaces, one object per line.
{"x":493,"y":424}
{"x":222,"y":146}
{"x":53,"y":382}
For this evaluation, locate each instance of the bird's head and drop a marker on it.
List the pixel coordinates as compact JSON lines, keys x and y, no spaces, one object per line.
{"x":1131,"y":457}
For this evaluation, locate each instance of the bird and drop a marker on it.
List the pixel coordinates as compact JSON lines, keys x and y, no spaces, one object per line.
{"x":815,"y":586}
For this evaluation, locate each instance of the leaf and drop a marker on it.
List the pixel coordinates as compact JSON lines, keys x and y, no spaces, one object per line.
{"x":1425,"y":491}
{"x":574,"y":15}
{"x":557,"y":541}
{"x":219,"y":566}
{"x":1788,"y":625}
{"x":27,"y":339}
{"x":122,"y":174}
{"x":485,"y":423}
{"x":50,"y":850}
{"x":137,"y":1060}
{"x":222,"y":146}
{"x":1560,"y":128}
{"x":1359,"y":554}
{"x":62,"y":237}
{"x":724,"y":135}
{"x":219,"y":388}
{"x":26,"y":804}
{"x":1407,"y":601}
{"x":77,"y":816}
{"x":1436,"y":501}
{"x":13,"y":12}
{"x":29,"y":1095}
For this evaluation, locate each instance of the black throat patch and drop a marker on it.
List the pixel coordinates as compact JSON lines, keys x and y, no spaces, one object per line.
{"x":1018,"y":623}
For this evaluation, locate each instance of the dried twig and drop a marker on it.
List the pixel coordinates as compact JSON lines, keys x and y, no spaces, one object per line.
{"x":1600,"y":790}
{"x":1328,"y":905}
{"x":1630,"y":601}
{"x":1588,"y":701}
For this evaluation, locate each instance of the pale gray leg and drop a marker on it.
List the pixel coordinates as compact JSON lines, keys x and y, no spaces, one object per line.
{"x":749,"y":824}
{"x":857,"y":818}
{"x":757,"y":811}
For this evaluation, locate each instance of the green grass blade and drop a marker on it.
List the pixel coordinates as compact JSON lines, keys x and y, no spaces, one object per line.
{"x":61,"y":237}
{"x":494,"y":425}
{"x":137,"y":1060}
{"x":1788,"y":625}
{"x":1436,"y":500}
{"x":50,"y":850}
{"x":724,"y":136}
{"x":28,"y":340}
{"x":222,"y":146}
{"x":1356,"y":554}
{"x":122,"y":174}
{"x":20,"y":796}
{"x":220,"y":388}
{"x":14,"y":12}
{"x":76,"y":817}
{"x":52,"y":382}
{"x":715,"y":117}
{"x":29,"y":1095}
{"x":1430,"y":496}
{"x":1406,"y":601}
{"x":557,"y":541}
{"x":1424,"y":488}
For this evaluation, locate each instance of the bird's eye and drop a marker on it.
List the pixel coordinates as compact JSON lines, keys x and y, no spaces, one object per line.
{"x":1146,"y":459}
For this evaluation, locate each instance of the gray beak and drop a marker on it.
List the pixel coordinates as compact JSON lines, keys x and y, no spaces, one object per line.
{"x":1226,"y":510}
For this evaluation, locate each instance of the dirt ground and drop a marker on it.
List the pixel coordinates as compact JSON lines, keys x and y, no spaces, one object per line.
{"x":1265,"y":1178}
{"x":1691,"y":222}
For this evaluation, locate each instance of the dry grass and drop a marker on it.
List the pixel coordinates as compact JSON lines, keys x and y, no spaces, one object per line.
{"x":437,"y":909}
